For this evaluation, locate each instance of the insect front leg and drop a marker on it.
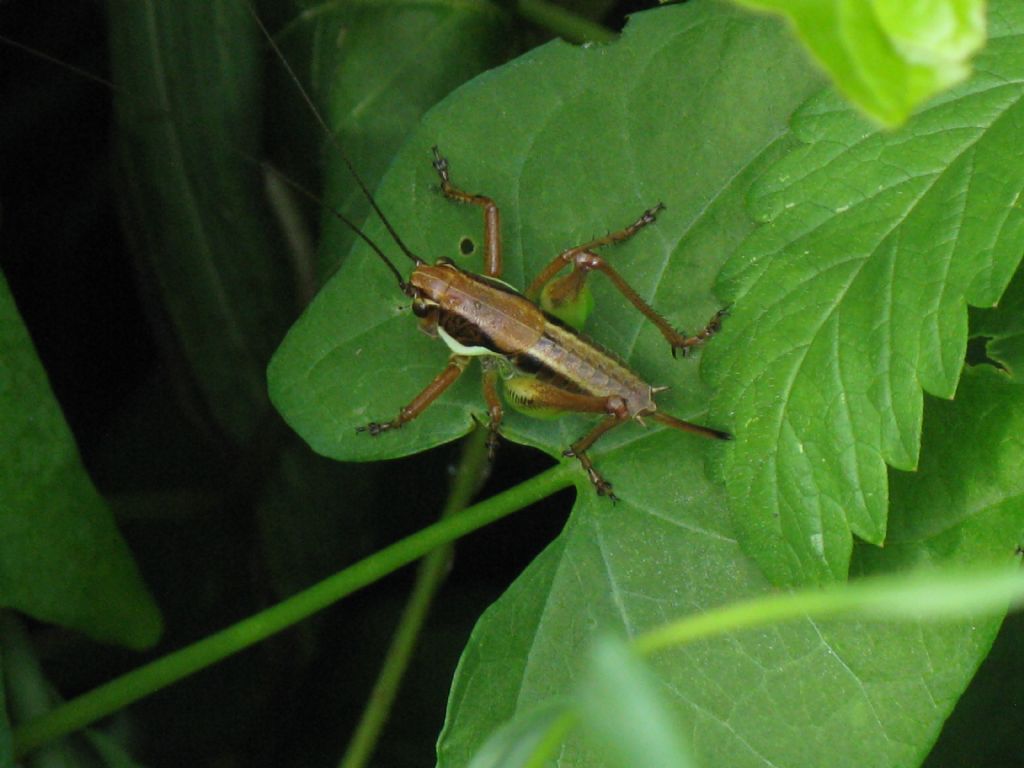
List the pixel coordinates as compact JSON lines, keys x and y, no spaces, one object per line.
{"x":492,"y":218}
{"x":456,"y":365}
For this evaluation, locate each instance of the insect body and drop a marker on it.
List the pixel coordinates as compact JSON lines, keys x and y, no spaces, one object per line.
{"x":545,"y":365}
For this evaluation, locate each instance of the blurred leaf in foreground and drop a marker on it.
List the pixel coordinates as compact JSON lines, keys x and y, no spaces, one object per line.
{"x":887,"y":56}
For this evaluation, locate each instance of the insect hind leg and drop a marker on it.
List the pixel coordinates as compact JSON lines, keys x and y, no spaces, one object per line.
{"x":568,"y":257}
{"x":579,"y":451}
{"x":585,"y":260}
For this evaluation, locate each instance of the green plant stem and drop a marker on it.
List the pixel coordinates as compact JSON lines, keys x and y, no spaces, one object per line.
{"x":563,"y":23}
{"x":118,"y":693}
{"x":936,"y":596}
{"x":431,"y":572}
{"x":547,"y":747}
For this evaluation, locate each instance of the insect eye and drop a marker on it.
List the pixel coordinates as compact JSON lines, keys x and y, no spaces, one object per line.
{"x":421,"y":308}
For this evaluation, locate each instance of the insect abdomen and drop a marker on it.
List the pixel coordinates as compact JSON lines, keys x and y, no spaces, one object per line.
{"x":577,"y":360}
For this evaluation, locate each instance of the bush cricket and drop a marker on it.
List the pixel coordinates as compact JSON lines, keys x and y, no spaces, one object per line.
{"x":530,"y":342}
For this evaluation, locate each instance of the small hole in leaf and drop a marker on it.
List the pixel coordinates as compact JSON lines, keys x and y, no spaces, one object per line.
{"x":977,"y":352}
{"x":466,"y":246}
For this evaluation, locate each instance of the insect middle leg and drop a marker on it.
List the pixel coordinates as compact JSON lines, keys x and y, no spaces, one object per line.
{"x":456,"y":365}
{"x":492,"y":218}
{"x":584,"y":260}
{"x":494,"y":409}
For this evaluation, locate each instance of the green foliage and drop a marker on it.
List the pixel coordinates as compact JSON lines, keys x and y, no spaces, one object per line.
{"x":847,"y":256}
{"x":853,"y":292}
{"x":1003,"y":327}
{"x":761,"y":694}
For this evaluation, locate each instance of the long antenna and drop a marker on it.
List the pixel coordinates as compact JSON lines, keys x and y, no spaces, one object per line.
{"x":402,"y":284}
{"x":44,"y":56}
{"x":366,"y":238}
{"x":337,"y":145}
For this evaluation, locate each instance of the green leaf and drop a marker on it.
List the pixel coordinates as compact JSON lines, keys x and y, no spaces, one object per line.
{"x":624,"y":713}
{"x":62,"y":559}
{"x":800,"y":693}
{"x":571,"y":167}
{"x":887,"y":56}
{"x":851,"y":297}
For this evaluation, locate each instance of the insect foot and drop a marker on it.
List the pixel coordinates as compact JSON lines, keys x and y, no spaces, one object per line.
{"x":649,"y":216}
{"x":493,"y":434}
{"x":374,"y":428}
{"x":440,"y":164}
{"x":686,"y":343}
{"x":602,"y":486}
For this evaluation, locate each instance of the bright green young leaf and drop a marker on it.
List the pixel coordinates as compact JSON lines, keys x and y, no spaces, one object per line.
{"x":624,"y":713}
{"x":887,"y":56}
{"x":839,"y":692}
{"x":852,"y":297}
{"x":62,"y":559}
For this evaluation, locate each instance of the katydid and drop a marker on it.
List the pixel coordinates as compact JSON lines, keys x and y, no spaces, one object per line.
{"x":529,"y":342}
